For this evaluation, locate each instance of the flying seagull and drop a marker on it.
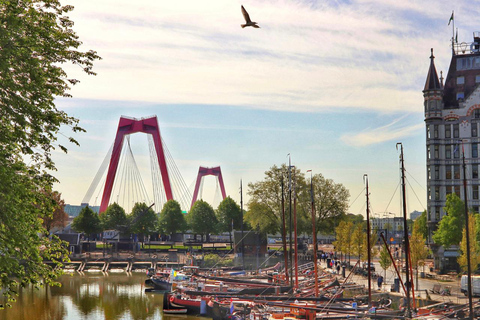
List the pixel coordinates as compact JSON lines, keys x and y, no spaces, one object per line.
{"x":249,"y":22}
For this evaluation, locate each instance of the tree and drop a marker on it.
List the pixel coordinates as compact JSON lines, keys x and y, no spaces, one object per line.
{"x":114,"y":218}
{"x":171,"y":218}
{"x":473,"y":222}
{"x":421,"y":223}
{"x":450,"y":228}
{"x":418,"y":249}
{"x":36,"y":41}
{"x":385,"y":260}
{"x":87,"y":222}
{"x":57,"y":218}
{"x":262,"y":218}
{"x":143,"y":219}
{"x":331,"y":201}
{"x":202,"y":219}
{"x":358,"y":239}
{"x":229,"y":216}
{"x":344,"y":242}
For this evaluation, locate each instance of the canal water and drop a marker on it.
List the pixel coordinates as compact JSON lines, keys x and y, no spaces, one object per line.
{"x":90,"y":296}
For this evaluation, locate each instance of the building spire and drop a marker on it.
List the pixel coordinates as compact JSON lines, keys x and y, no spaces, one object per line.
{"x":432,"y":82}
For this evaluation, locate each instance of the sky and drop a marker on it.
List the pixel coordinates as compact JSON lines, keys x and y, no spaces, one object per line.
{"x":335,"y":84}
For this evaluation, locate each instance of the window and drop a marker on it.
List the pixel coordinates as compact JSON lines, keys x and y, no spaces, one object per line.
{"x":474,"y":171}
{"x":437,"y":172}
{"x":437,"y":193}
{"x":429,"y":193}
{"x":475,"y":209}
{"x":428,"y":152}
{"x":436,"y":152}
{"x":428,"y":132}
{"x":460,"y":80}
{"x":435,"y":131}
{"x":477,"y":79}
{"x":457,"y":191}
{"x":456,"y":131}
{"x":448,"y":190}
{"x":476,"y":114}
{"x":474,"y":129}
{"x":448,"y":152}
{"x":474,"y":150}
{"x":456,"y":151}
{"x":429,"y":173}
{"x":448,"y":133}
{"x":475,"y":192}
{"x":456,"y":171}
{"x":460,"y":95}
{"x":437,"y":214}
{"x":448,"y":172}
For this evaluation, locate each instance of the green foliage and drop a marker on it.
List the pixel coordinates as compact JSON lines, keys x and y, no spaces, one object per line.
{"x":418,"y":248}
{"x":385,"y":260}
{"x":202,"y":219}
{"x":265,"y":204}
{"x":114,"y":218}
{"x":36,"y":39}
{"x":344,"y":242}
{"x":358,"y":239}
{"x":473,"y":221}
{"x":260,"y":217}
{"x":228,"y":211}
{"x":87,"y":222}
{"x":213,"y":260}
{"x":450,"y":228}
{"x":171,"y":218}
{"x":421,"y":224}
{"x":143,"y":219}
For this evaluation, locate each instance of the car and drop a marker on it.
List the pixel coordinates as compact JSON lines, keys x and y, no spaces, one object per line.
{"x":372,"y":266}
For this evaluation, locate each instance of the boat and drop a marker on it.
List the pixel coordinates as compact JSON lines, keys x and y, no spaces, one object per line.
{"x":175,"y":311}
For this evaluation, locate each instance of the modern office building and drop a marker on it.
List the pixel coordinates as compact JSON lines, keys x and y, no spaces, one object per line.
{"x":452,"y":117}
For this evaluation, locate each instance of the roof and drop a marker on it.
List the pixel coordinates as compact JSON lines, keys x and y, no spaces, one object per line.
{"x":432,"y":82}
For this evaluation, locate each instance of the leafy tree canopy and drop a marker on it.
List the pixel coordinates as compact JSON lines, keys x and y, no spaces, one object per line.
{"x":87,"y":222}
{"x":36,"y":39}
{"x":473,"y":222}
{"x":202,"y":219}
{"x":114,"y":218}
{"x":171,"y":218}
{"x":331,"y":200}
{"x":421,"y":224}
{"x":450,"y":228}
{"x":229,"y":215}
{"x":143,"y":219}
{"x":56,"y":217}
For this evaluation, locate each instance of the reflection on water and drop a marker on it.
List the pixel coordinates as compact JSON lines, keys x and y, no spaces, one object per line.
{"x":89,"y":297}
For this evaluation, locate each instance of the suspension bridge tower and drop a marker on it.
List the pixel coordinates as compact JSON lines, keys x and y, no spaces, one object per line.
{"x":127,"y":126}
{"x":202,"y":172}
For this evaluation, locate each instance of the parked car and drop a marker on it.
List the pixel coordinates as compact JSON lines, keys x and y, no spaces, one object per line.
{"x":372,"y":266}
{"x":475,"y":285}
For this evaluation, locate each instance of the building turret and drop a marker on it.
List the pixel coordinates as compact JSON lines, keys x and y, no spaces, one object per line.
{"x":433,"y":92}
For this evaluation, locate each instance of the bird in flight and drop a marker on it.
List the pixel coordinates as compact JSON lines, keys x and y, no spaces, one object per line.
{"x":249,"y":22}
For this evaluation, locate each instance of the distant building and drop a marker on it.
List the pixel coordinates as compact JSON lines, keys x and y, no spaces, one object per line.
{"x":415,"y":214}
{"x":452,"y":117}
{"x":73,"y":210}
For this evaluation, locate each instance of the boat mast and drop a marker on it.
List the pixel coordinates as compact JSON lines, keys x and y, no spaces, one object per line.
{"x":241,"y":209}
{"x":295,"y":229}
{"x":405,"y":230}
{"x":284,"y":234}
{"x":314,"y":237}
{"x":365,"y":178}
{"x":467,"y":235}
{"x":290,"y":228}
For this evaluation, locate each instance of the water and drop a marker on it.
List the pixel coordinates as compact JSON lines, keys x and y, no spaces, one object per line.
{"x":90,"y":297}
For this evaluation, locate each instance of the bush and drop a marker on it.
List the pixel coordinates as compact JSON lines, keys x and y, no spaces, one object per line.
{"x":211,"y":260}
